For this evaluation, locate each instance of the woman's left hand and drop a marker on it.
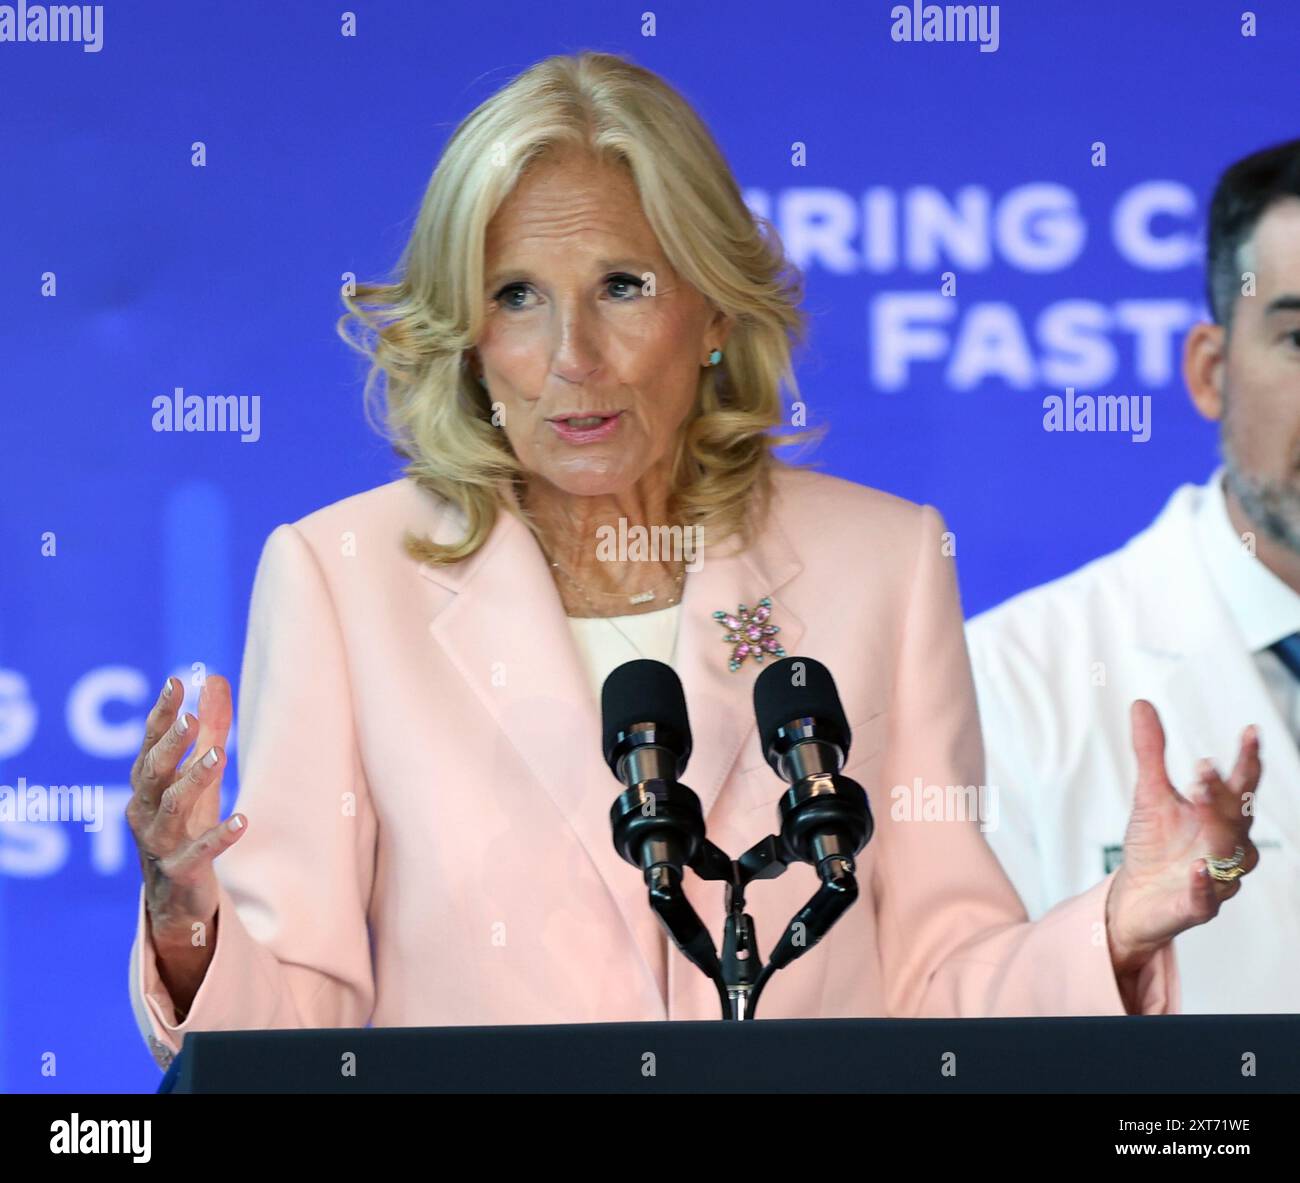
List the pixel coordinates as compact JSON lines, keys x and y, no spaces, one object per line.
{"x":1163,"y":886}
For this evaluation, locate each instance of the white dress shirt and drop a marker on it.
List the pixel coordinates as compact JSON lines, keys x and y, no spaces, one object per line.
{"x":1263,"y":608}
{"x":1182,"y":616}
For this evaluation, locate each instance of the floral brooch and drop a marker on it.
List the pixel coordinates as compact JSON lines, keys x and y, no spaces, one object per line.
{"x":752,"y":635}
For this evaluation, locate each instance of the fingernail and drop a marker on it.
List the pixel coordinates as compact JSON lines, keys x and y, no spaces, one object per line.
{"x":183,"y":723}
{"x":210,"y":758}
{"x":235,"y":823}
{"x":1252,"y":734}
{"x":167,"y":689}
{"x":1205,"y":769}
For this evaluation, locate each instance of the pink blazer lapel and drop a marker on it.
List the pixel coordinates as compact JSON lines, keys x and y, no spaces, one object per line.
{"x":508,"y":636}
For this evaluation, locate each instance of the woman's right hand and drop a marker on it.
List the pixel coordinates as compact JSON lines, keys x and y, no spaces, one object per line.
{"x":174,"y":815}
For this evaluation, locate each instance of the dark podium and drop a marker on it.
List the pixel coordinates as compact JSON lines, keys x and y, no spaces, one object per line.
{"x":1225,"y":1054}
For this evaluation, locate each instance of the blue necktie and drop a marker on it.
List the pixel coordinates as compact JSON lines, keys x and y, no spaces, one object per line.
{"x":1288,"y":652}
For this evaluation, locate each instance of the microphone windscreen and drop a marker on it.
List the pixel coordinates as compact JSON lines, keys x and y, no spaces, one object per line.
{"x":796,"y":688}
{"x":645,"y":691}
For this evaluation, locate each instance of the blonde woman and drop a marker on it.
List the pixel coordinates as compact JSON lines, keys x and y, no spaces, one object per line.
{"x":590,"y":332}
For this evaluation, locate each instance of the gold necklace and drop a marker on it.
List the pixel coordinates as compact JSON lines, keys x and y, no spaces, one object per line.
{"x":639,"y":597}
{"x":636,"y":598}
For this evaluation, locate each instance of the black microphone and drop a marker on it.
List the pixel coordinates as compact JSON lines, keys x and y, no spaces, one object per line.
{"x":825,"y":817}
{"x":658,"y":823}
{"x":642,"y":705}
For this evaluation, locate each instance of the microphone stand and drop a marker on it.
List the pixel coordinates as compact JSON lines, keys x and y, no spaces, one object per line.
{"x":658,"y":822}
{"x":659,"y":826}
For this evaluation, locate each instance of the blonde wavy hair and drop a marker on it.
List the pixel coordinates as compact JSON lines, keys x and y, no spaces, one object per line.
{"x":416,"y":329}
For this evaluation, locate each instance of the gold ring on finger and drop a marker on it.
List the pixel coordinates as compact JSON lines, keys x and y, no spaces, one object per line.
{"x":1225,"y":870}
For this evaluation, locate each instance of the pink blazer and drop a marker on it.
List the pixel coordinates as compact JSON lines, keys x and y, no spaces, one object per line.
{"x":429,"y":843}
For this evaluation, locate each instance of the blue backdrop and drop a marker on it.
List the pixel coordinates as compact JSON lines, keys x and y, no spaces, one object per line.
{"x":128,"y":270}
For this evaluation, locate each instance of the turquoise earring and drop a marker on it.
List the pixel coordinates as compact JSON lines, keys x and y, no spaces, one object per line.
{"x":715,"y":357}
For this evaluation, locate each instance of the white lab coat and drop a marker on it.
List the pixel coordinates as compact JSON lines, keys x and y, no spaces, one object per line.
{"x":1056,"y":669}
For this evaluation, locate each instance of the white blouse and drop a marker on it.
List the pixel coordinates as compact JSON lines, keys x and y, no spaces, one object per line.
{"x":603,"y":647}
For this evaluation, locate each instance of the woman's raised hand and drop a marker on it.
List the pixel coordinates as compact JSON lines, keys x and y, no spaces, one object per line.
{"x":174,"y":815}
{"x":1165,"y":884}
